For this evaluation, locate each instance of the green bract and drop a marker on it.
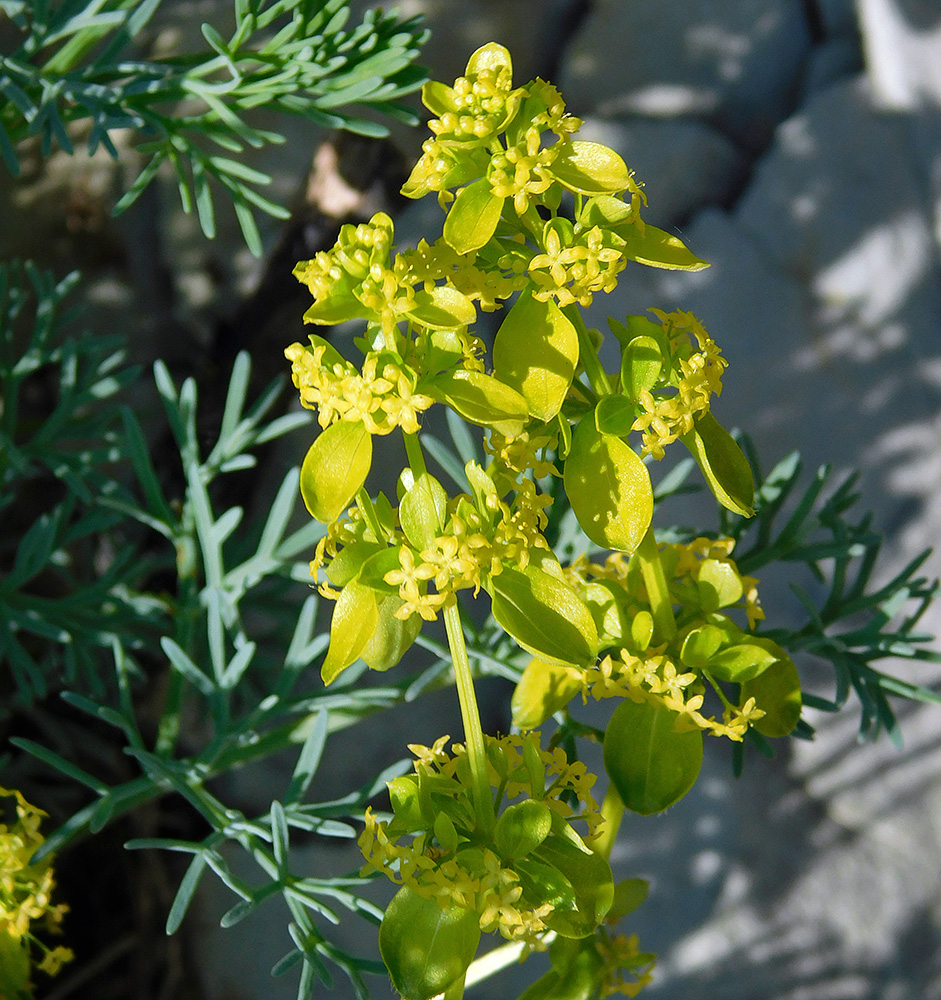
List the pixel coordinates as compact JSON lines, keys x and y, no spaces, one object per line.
{"x":336,"y":467}
{"x":426,"y":948}
{"x":651,"y":764}
{"x":535,"y":352}
{"x":544,"y":615}
{"x":609,"y":488}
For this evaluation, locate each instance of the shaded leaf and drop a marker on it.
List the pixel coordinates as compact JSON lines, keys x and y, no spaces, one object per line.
{"x":650,"y":764}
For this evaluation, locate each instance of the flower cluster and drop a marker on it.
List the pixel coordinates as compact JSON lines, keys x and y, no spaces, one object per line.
{"x":702,"y":578}
{"x":25,"y":901}
{"x":462,"y":555}
{"x":487,"y":283}
{"x":684,"y":563}
{"x":696,"y":376}
{"x":687,"y":560}
{"x":574,"y":270}
{"x":654,"y":677}
{"x":382,"y":398}
{"x":452,"y":862}
{"x":530,"y":449}
{"x":627,"y":970}
{"x":479,"y":536}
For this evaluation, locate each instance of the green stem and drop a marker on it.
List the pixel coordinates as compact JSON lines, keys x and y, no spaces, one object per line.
{"x":612,"y":809}
{"x":473,"y":734}
{"x":369,"y":512}
{"x":416,"y":459}
{"x":588,"y":353}
{"x":715,"y":687}
{"x":661,"y":606}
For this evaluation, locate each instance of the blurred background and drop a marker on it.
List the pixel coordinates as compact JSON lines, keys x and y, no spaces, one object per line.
{"x":796,"y":146}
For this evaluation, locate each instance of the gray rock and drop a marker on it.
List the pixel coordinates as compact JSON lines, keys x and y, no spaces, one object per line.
{"x":830,"y":62}
{"x":684,"y":165}
{"x":902,"y":39}
{"x":855,"y":229}
{"x":837,"y":18}
{"x":524,"y":27}
{"x":736,"y":62}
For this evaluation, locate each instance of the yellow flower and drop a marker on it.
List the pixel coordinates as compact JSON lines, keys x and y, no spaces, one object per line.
{"x":25,"y":898}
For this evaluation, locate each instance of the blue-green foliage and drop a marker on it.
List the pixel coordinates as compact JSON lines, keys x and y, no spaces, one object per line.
{"x":73,"y":584}
{"x":80,"y":61}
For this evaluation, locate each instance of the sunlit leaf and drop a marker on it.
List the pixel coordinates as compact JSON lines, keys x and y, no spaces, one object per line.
{"x":334,"y":468}
{"x":723,"y":464}
{"x":590,"y":168}
{"x":543,"y":689}
{"x":656,"y":248}
{"x":473,"y":217}
{"x":535,"y":352}
{"x":354,"y":621}
{"x":392,"y":637}
{"x":609,"y":488}
{"x":544,"y":615}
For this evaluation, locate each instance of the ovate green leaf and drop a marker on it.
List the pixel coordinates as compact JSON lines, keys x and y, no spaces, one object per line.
{"x":426,"y":948}
{"x":590,"y":876}
{"x":649,"y":763}
{"x":614,"y":415}
{"x":334,"y":468}
{"x":544,"y":615}
{"x":590,"y":168}
{"x":423,"y":510}
{"x":742,"y":662}
{"x":483,"y":400}
{"x":543,"y":689}
{"x":777,"y":692}
{"x":718,"y":584}
{"x":443,"y":308}
{"x":392,"y":638}
{"x":609,"y":488}
{"x":354,"y":621}
{"x":535,"y":352}
{"x":723,"y":464}
{"x":656,"y":248}
{"x":641,"y":362}
{"x":628,"y":895}
{"x":493,"y":57}
{"x":473,"y":217}
{"x":521,"y":828}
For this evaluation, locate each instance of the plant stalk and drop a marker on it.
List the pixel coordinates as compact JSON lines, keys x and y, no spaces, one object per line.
{"x":588,"y":353}
{"x":473,"y":733}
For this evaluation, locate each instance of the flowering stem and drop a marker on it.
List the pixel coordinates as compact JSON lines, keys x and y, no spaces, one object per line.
{"x":473,"y":734}
{"x":722,"y":696}
{"x":369,"y":513}
{"x":588,"y":353}
{"x":661,"y":606}
{"x":416,"y":459}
